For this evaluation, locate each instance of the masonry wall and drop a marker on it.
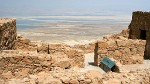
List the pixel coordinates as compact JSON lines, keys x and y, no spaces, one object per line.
{"x":62,"y":52}
{"x":7,"y":33}
{"x":141,"y":21}
{"x":123,"y":50}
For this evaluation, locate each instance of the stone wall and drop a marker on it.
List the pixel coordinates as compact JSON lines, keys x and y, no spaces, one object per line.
{"x":87,"y":48}
{"x":25,"y":44}
{"x":7,"y":33}
{"x":140,"y":29}
{"x":35,"y":62}
{"x":140,"y":21}
{"x":123,"y":50}
{"x":12,"y":60}
{"x":63,"y":53}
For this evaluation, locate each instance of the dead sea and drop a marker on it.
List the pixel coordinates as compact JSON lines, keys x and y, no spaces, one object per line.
{"x":70,"y":29}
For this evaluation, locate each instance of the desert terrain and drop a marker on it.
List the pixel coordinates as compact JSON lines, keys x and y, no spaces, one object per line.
{"x":64,"y":53}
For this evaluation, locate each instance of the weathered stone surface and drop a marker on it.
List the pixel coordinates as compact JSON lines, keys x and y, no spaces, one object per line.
{"x":73,"y":81}
{"x":8,"y":33}
{"x":64,"y":64}
{"x":24,"y":60}
{"x":61,"y":52}
{"x":102,"y":44}
{"x":53,"y":81}
{"x":113,"y":81}
{"x":43,"y":48}
{"x":140,"y":21}
{"x":102,"y":51}
{"x":65,"y":80}
{"x":93,"y":74}
{"x":54,"y":48}
{"x":123,"y":50}
{"x":140,"y":29}
{"x":24,"y":44}
{"x":117,"y":53}
{"x":77,"y":57}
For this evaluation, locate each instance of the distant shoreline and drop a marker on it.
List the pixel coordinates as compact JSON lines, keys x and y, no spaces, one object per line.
{"x":71,"y":33}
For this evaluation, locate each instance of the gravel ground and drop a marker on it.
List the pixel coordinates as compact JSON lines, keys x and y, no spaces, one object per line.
{"x":89,"y":65}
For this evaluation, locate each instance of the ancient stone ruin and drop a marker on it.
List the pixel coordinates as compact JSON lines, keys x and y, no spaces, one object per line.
{"x":130,"y":46}
{"x":7,"y":33}
{"x":27,"y":62}
{"x":140,"y":29}
{"x":120,"y":49}
{"x":19,"y":53}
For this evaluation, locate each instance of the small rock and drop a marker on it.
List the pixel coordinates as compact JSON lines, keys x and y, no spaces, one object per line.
{"x":64,"y":64}
{"x":81,"y":78}
{"x":73,"y":81}
{"x":93,"y":74}
{"x":65,"y":80}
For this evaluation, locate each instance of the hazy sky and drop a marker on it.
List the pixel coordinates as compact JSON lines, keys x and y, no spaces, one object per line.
{"x":71,"y":7}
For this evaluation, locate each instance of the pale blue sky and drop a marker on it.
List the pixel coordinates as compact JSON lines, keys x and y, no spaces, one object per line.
{"x":71,"y":7}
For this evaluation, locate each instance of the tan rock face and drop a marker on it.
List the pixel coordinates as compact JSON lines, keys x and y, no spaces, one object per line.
{"x":8,"y":33}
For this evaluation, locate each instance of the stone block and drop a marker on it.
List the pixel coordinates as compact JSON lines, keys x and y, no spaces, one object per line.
{"x":102,"y":45}
{"x":43,"y":48}
{"x":76,"y":56}
{"x":64,"y":64}
{"x":65,"y":80}
{"x":117,"y":53}
{"x":103,"y":51}
{"x":121,"y":43}
{"x":73,"y":81}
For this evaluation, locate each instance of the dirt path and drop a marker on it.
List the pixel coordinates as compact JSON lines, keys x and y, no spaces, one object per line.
{"x":134,"y":67}
{"x":89,"y":64}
